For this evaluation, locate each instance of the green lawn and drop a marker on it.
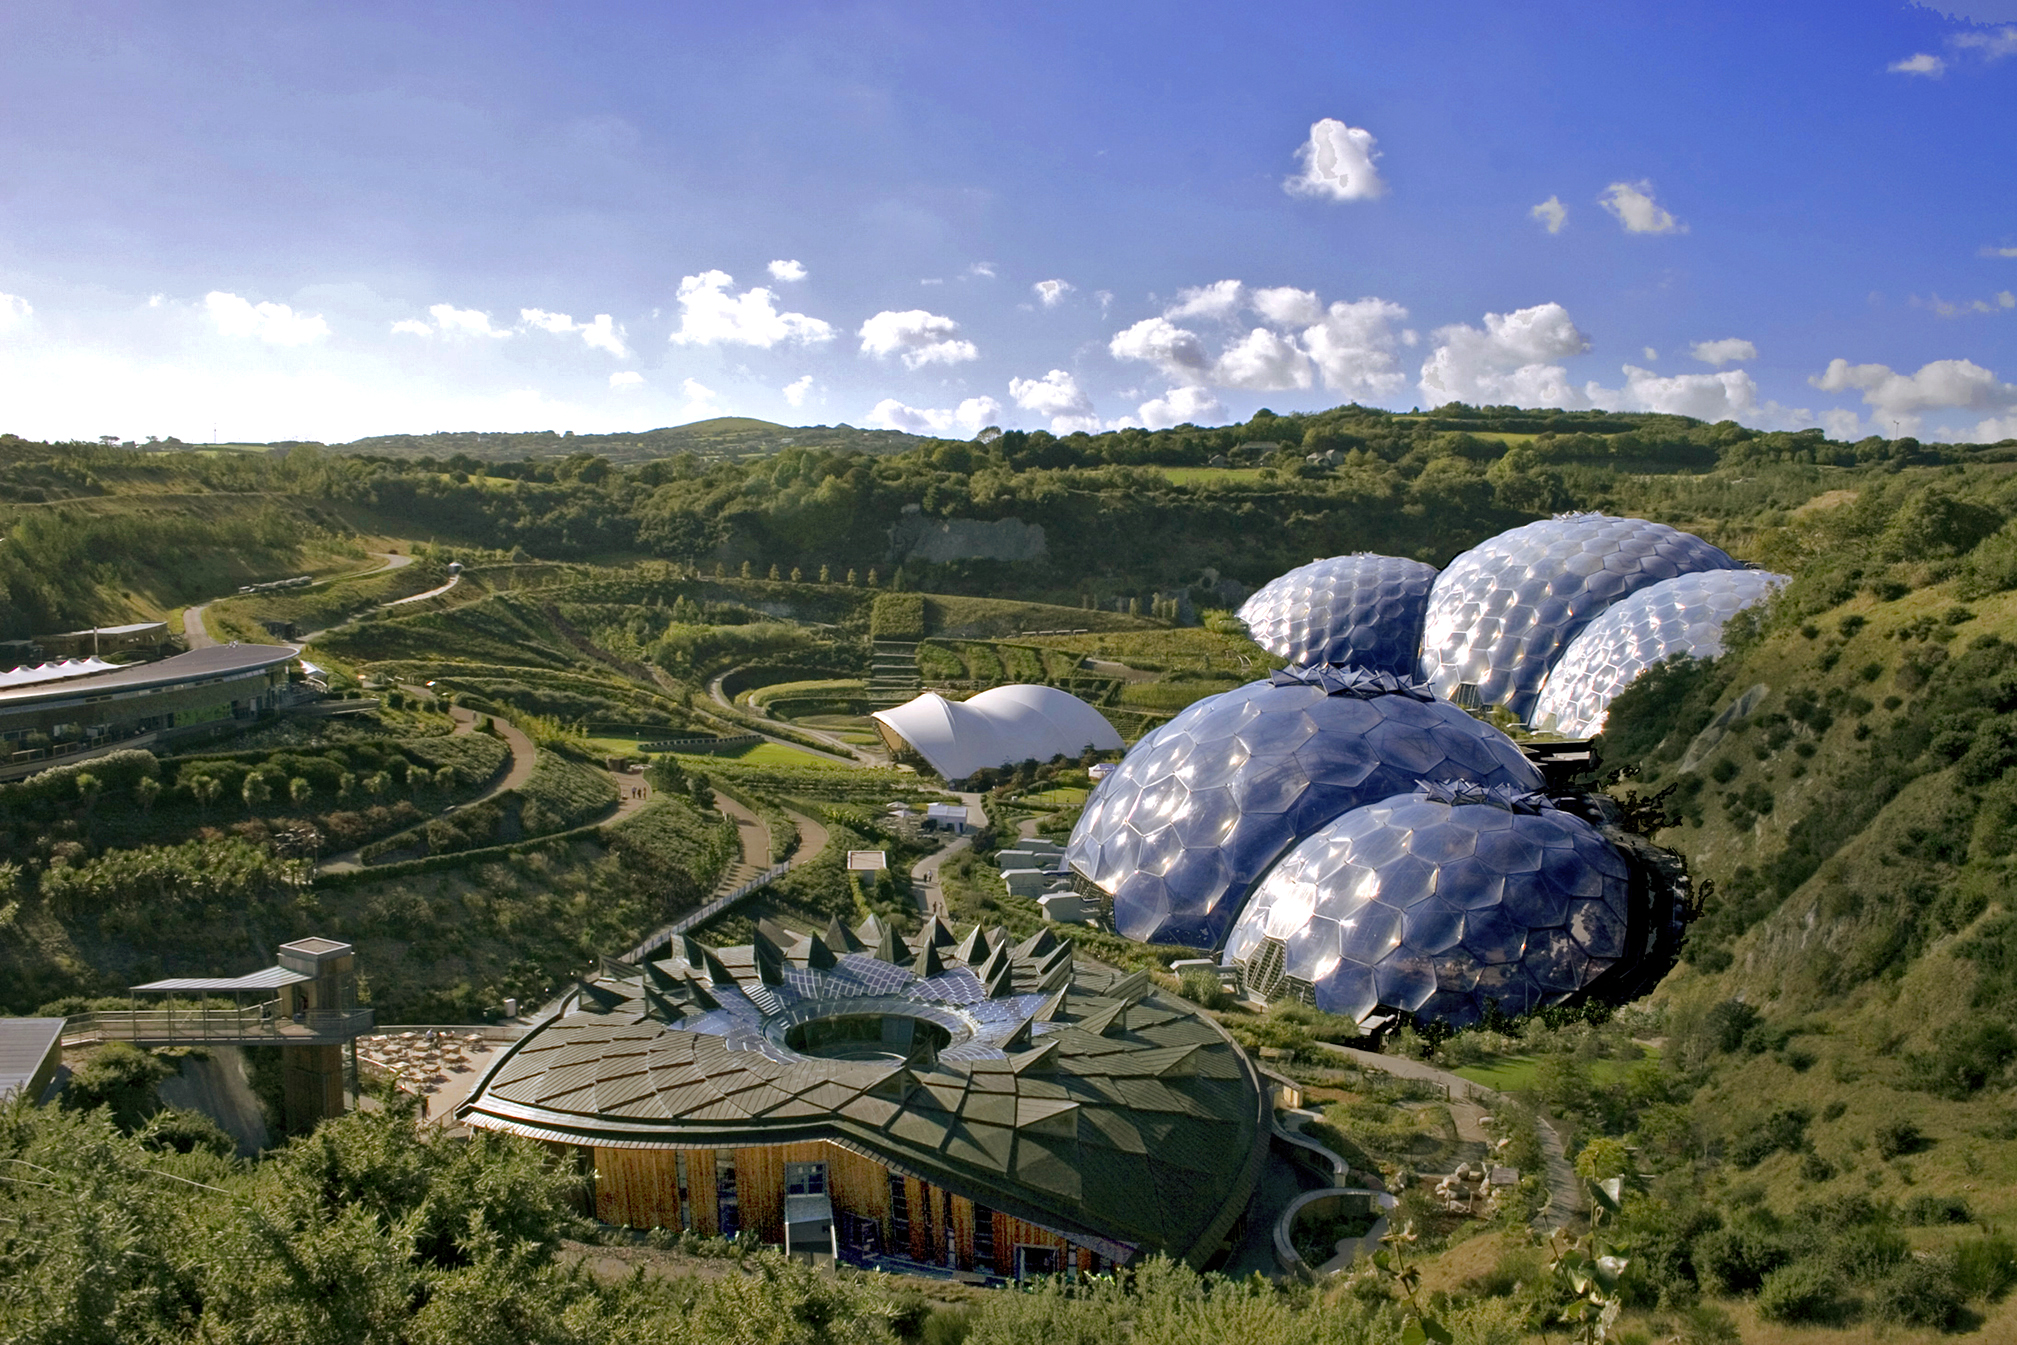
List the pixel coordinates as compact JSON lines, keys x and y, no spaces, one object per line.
{"x":1512,"y":1073}
{"x":1192,"y":476}
{"x":1056,"y":798}
{"x":764,"y":754}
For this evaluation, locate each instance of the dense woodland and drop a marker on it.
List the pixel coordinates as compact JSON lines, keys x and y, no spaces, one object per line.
{"x":1812,"y":1110}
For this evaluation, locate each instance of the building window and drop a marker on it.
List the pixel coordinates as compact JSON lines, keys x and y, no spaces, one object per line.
{"x":899,"y":1215}
{"x":1036,"y":1262}
{"x":805,"y":1179}
{"x":685,"y":1201}
{"x":983,"y":1236}
{"x":728,"y":1212}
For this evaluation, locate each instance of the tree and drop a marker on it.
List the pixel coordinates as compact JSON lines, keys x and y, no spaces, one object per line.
{"x":89,"y":787}
{"x":851,"y":579}
{"x":145,"y":790}
{"x":773,"y":572}
{"x":797,"y":575}
{"x":120,"y":1077}
{"x":206,"y":789}
{"x":445,"y":778}
{"x":825,"y":575}
{"x":300,"y":791}
{"x":257,"y":793}
{"x":346,"y":785}
{"x":377,"y":783}
{"x":747,"y":570}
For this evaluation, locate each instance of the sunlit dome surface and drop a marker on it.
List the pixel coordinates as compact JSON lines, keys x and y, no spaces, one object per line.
{"x":1433,"y":904}
{"x":1503,"y":611}
{"x":1680,"y":616}
{"x":1001,"y":726}
{"x":1201,"y":808}
{"x":1364,"y":610}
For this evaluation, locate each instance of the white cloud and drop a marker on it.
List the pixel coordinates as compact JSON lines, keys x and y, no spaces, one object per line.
{"x":1057,"y":395}
{"x":1337,"y":164}
{"x":700,"y":403}
{"x":917,"y":337}
{"x":1919,"y":63}
{"x":1106,"y":297}
{"x":1353,"y":347}
{"x":1633,"y":204}
{"x":795,"y":391}
{"x":985,"y":270}
{"x":710,"y":315}
{"x":976,"y":413}
{"x":1508,"y":362}
{"x":1052,"y":292}
{"x":624,"y":379}
{"x":1651,"y":354}
{"x":1180,"y":406}
{"x":1175,"y":350}
{"x":1711,"y":397}
{"x":1843,"y":424}
{"x":891,"y":414}
{"x":1552,"y":213}
{"x":14,"y":311}
{"x":415,"y":327}
{"x":1999,"y":252}
{"x":1948,"y":308}
{"x":601,"y":334}
{"x":1220,"y":299}
{"x":1994,"y":44}
{"x":1729,"y":350}
{"x":449,"y":319}
{"x":275,"y":324}
{"x":1900,"y":399}
{"x":1288,"y":307}
{"x":1263,"y":361}
{"x":787,"y":270}
{"x":1995,"y":430}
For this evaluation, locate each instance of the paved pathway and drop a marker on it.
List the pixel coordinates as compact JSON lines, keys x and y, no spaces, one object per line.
{"x":198,"y":635}
{"x":453,"y":580}
{"x":859,"y":755}
{"x":924,"y":882}
{"x":1565,"y":1191}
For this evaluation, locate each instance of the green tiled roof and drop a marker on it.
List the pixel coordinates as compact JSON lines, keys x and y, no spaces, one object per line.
{"x":1074,"y":1096}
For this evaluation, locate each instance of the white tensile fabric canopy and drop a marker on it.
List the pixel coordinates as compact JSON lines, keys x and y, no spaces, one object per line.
{"x":998,"y":727}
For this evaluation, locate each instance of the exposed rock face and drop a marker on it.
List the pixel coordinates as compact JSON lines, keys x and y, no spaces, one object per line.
{"x":916,"y":537}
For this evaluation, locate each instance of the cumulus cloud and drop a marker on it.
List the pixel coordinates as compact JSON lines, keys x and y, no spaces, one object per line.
{"x":1633,"y":204}
{"x":916,"y":337}
{"x":1919,"y":63}
{"x":1843,"y":424}
{"x":1220,"y":299}
{"x":448,"y":320}
{"x":969,"y":416}
{"x":1057,"y":395}
{"x":787,"y":270}
{"x":1651,"y":354}
{"x":1337,"y":164}
{"x":1552,"y":213}
{"x":275,"y":324}
{"x":1509,"y":361}
{"x":625,"y":379}
{"x":1729,"y":350}
{"x":1900,"y":400}
{"x":795,"y":391}
{"x":1996,"y":429}
{"x":985,"y":270}
{"x":711,"y":315}
{"x":1177,"y":351}
{"x":601,"y":334}
{"x":1999,"y":252}
{"x":1181,"y":406}
{"x":1725,"y":396}
{"x":1351,"y":346}
{"x":699,"y":400}
{"x":14,"y":311}
{"x":1992,"y":44}
{"x":1052,"y":292}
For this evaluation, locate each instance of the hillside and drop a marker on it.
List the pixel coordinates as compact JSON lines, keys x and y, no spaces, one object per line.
{"x":724,"y":437}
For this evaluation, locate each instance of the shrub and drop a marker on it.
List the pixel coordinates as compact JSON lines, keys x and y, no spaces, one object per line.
{"x":1918,"y":1291}
{"x":1985,"y":1268}
{"x":1203,"y":988}
{"x":1728,"y":1023}
{"x":1931,"y":1209}
{"x":1785,"y":1128}
{"x":120,"y":1077}
{"x":1802,"y":1292}
{"x":1737,"y":1260}
{"x":1894,"y":1139}
{"x":186,"y":1132}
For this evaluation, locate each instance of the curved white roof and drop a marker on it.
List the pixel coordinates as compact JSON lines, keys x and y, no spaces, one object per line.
{"x":998,"y":727}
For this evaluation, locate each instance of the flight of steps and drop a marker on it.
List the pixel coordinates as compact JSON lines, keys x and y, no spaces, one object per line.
{"x":892,"y":673}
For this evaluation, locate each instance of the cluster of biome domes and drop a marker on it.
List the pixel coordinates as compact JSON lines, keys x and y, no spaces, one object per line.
{"x":1344,"y":833}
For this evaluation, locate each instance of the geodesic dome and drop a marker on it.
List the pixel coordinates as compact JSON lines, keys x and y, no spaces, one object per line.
{"x":1201,"y":808}
{"x":1434,"y":903}
{"x":1502,"y":612}
{"x":1364,"y":610}
{"x":1684,"y":615}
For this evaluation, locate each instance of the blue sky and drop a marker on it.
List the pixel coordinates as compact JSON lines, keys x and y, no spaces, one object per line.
{"x":325,"y":221}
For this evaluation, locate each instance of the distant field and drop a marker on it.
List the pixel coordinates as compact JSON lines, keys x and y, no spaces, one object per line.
{"x":1193,"y":476}
{"x":763,"y":754}
{"x":1511,"y":1074}
{"x":1056,"y":798}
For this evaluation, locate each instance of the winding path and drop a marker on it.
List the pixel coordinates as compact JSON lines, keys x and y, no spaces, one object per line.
{"x":1565,"y":1192}
{"x":198,"y":636}
{"x":860,"y":756}
{"x":924,"y":880}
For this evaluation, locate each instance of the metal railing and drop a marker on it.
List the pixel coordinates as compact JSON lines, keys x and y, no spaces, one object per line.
{"x":253,"y":1023}
{"x":703,"y":914}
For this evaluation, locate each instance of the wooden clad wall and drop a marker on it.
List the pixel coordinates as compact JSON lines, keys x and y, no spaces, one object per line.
{"x":640,"y":1188}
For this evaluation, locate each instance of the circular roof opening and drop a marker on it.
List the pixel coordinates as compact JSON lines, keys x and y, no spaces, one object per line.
{"x":896,"y":1038}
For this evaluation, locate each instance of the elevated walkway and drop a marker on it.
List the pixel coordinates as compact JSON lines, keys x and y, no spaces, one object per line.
{"x":247,"y":1025}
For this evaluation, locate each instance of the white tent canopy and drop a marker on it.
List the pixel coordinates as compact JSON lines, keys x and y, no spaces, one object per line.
{"x":998,"y":727}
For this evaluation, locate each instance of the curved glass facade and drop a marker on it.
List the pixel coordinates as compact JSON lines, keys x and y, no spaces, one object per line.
{"x":1202,"y":807}
{"x":1435,"y":902}
{"x":1503,"y":611}
{"x":1364,"y":610}
{"x":1679,"y":616}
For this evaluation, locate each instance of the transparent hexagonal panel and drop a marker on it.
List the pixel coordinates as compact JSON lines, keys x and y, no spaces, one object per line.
{"x":1684,"y":615}
{"x":1191,"y":819}
{"x":1363,"y":609}
{"x":1501,"y":613}
{"x":1442,"y":900}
